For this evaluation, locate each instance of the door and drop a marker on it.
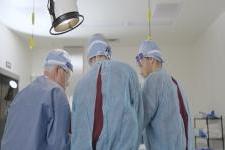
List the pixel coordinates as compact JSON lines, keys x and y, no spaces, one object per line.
{"x":8,"y":90}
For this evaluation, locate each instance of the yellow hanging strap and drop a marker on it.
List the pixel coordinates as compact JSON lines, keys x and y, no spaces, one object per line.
{"x":149,"y":20}
{"x":149,"y":16}
{"x":33,"y":13}
{"x":149,"y":37}
{"x":33,"y":18}
{"x":31,"y":42}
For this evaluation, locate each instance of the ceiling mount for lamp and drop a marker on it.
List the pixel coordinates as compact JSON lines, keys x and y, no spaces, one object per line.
{"x":65,"y":16}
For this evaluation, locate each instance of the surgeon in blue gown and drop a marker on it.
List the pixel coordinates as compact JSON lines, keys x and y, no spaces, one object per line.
{"x":107,"y":109}
{"x":167,"y":119}
{"x":39,"y":116}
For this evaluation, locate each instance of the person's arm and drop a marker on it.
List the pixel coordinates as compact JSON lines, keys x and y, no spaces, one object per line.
{"x":136,"y":99}
{"x":58,"y":127}
{"x":150,"y":99}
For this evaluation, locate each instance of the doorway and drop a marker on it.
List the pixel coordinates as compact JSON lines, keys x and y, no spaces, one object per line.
{"x":8,"y":90}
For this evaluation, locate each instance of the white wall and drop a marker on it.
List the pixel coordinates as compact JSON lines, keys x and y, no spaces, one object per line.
{"x":209,"y":71}
{"x":14,"y":50}
{"x":210,"y":68}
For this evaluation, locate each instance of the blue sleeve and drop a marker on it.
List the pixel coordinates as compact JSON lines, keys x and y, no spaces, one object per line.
{"x":58,"y":127}
{"x":137,"y":102}
{"x":75,"y":97}
{"x":150,"y":99}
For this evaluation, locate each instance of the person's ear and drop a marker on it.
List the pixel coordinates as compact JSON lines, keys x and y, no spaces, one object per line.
{"x":57,"y":70}
{"x":152,"y":61}
{"x":149,"y":60}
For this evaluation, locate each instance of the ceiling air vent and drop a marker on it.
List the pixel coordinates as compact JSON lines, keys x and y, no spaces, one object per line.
{"x":166,"y":13}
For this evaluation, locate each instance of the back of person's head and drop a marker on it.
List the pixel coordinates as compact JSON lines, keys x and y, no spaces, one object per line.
{"x":98,"y":49}
{"x":149,"y":58}
{"x":58,"y":57}
{"x":58,"y":66}
{"x":149,"y":48}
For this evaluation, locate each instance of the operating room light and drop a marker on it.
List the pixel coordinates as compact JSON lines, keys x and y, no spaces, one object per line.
{"x":13,"y":84}
{"x":65,"y":16}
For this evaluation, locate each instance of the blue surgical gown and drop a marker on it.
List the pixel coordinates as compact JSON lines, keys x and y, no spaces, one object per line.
{"x":163,"y":123}
{"x":38,"y":118}
{"x":122,"y":108}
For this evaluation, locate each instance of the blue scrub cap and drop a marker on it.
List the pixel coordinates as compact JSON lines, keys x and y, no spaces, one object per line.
{"x":59,"y":57}
{"x":149,"y":48}
{"x":97,"y":45}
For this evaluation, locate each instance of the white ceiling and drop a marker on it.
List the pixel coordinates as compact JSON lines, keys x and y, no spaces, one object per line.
{"x":173,"y":20}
